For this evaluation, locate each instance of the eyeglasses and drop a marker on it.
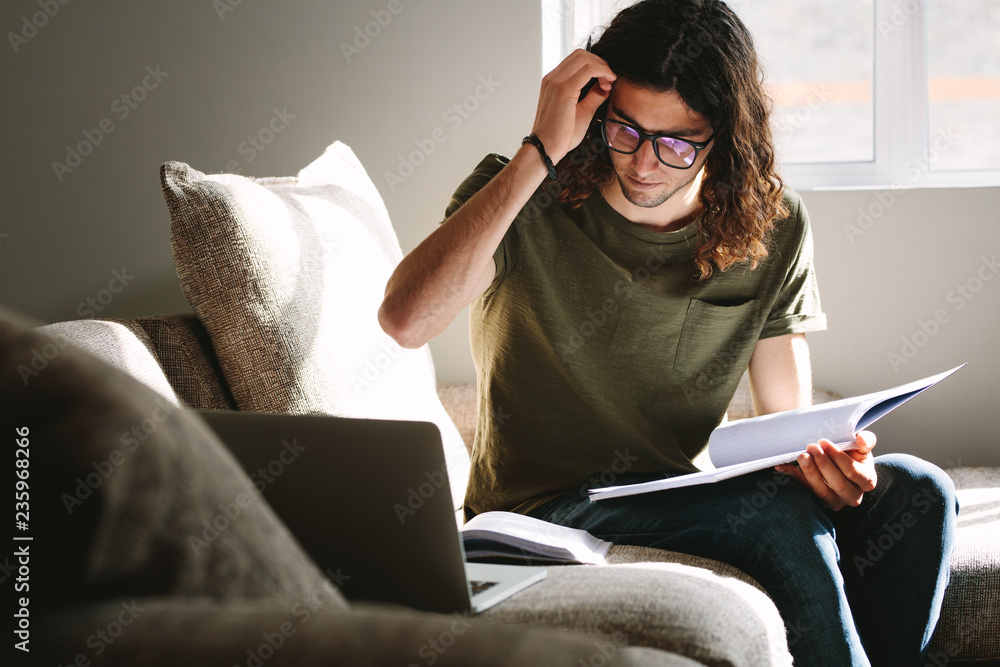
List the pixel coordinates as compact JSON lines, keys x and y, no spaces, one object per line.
{"x":623,"y":137}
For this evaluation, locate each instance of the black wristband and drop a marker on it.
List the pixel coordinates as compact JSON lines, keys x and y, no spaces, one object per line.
{"x":537,"y":143}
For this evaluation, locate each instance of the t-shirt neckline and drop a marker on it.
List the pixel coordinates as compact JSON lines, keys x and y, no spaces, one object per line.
{"x":608,"y":212}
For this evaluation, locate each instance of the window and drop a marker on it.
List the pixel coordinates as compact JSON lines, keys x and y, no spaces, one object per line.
{"x":963,"y":65}
{"x":892,"y":93}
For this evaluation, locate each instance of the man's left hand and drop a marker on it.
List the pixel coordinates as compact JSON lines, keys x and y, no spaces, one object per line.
{"x":838,"y":478}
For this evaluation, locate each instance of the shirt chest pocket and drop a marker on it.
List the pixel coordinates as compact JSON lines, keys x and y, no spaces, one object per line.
{"x":716,"y":340}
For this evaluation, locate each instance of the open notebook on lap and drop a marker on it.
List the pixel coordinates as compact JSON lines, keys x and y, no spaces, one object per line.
{"x":336,"y":483}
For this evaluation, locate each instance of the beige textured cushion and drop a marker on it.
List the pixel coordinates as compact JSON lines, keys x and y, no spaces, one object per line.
{"x":287,"y":275}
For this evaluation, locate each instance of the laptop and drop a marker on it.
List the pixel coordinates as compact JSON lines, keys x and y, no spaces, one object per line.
{"x":369,"y":501}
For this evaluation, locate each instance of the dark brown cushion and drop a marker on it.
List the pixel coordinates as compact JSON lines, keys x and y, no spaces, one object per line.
{"x":130,"y":495}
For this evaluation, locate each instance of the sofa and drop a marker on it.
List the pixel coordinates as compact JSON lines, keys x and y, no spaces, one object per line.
{"x":284,"y":277}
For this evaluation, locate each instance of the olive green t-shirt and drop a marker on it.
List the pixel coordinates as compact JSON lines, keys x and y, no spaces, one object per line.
{"x":599,"y":353}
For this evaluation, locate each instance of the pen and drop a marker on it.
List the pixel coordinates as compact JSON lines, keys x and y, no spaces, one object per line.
{"x":592,"y":82}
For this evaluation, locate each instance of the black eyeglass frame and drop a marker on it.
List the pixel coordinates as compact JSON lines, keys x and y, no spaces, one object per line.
{"x":697,"y":145}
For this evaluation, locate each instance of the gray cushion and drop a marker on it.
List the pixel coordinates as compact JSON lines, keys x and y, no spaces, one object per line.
{"x":131,"y":496}
{"x":969,"y":628}
{"x":170,"y":353}
{"x":199,"y":632}
{"x":695,"y":607}
{"x":287,"y":275}
{"x":117,"y":345}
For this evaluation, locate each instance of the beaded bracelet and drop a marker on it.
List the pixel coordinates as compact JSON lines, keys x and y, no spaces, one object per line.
{"x":537,"y":143}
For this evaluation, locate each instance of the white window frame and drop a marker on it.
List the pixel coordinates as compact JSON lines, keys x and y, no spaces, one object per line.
{"x":903,"y":148}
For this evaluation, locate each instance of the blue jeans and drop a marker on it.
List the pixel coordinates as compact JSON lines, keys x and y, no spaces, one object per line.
{"x":860,"y":586}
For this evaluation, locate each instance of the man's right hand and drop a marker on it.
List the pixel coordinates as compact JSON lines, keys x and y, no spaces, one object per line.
{"x":454,"y":265}
{"x":562,"y":119}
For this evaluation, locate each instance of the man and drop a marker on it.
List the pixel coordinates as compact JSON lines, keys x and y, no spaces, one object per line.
{"x":615,"y":307}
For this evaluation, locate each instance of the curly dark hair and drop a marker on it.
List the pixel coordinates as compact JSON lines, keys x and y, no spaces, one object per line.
{"x":701,"y":50}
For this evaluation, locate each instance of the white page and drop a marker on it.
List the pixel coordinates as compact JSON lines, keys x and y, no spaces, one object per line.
{"x":786,"y":432}
{"x":763,"y":442}
{"x":703,"y":477}
{"x":782,"y":432}
{"x":529,"y":533}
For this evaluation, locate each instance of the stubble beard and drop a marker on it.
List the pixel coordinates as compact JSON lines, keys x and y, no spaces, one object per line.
{"x":649,"y":199}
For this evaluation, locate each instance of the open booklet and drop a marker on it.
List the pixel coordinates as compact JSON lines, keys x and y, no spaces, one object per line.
{"x":746,"y":445}
{"x":510,"y":536}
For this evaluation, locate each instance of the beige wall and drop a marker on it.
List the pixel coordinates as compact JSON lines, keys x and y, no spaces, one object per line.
{"x":220,"y":82}
{"x":222,"y":79}
{"x":911,"y":293}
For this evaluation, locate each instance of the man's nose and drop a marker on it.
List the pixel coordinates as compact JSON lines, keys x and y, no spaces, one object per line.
{"x":644,"y":160}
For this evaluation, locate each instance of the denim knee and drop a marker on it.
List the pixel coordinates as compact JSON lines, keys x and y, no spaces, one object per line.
{"x":925,"y":486}
{"x":779,"y":511}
